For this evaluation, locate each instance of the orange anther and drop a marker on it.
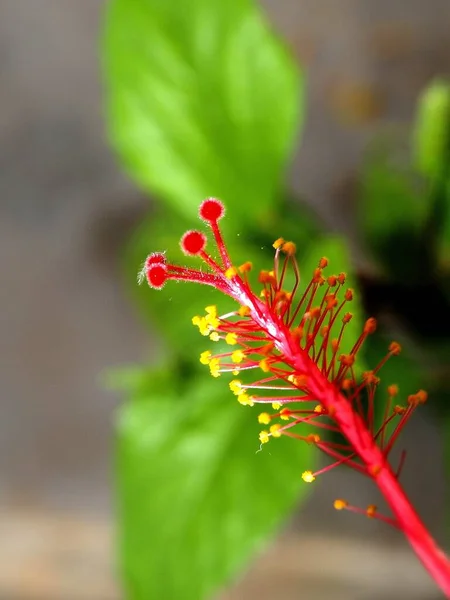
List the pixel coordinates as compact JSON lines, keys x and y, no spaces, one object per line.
{"x":392,"y":390}
{"x":370,"y":325}
{"x":348,"y":295}
{"x":395,"y":348}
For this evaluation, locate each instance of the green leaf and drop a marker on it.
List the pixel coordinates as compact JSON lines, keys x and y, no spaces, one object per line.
{"x":200,"y":106}
{"x":197,"y":497}
{"x":432,"y":131}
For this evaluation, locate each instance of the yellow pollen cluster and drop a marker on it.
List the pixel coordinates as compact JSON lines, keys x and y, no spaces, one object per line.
{"x":209,"y":322}
{"x":264,"y":365}
{"x":340,"y":504}
{"x":264,"y":418}
{"x":231,"y":339}
{"x":275,"y":430}
{"x":244,"y":311}
{"x":205,"y":357}
{"x":214,"y":367}
{"x":264,"y":437}
{"x":276,"y":405}
{"x":285,"y":414}
{"x":245,"y":399}
{"x":308,"y":476}
{"x":236,"y":387}
{"x":237,"y":356}
{"x":231,"y":272}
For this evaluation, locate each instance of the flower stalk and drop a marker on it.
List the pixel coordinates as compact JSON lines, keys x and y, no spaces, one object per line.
{"x":286,"y":346}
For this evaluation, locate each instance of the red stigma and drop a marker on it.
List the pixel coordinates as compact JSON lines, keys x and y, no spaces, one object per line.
{"x":156,"y":258}
{"x":156,"y":275}
{"x":211,"y":210}
{"x":193,"y":242}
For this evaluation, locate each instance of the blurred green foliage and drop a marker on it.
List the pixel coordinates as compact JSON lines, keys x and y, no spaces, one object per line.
{"x":208,"y":105}
{"x":197,"y":495}
{"x":404,"y":215}
{"x":211,"y":105}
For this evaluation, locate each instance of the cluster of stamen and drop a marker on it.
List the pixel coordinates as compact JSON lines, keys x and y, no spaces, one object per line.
{"x":293,"y":340}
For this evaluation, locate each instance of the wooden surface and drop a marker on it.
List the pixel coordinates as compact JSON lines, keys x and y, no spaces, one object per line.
{"x":70,"y":557}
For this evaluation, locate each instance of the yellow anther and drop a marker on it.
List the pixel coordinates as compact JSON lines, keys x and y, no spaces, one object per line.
{"x":246,"y":267}
{"x":264,"y":437}
{"x":211,"y":310}
{"x":231,"y":339}
{"x":236,"y":372}
{"x":230,"y":272}
{"x":245,"y":399}
{"x":205,"y":357}
{"x":214,"y":337}
{"x":276,"y":405}
{"x":237,"y":356}
{"x":313,"y":438}
{"x":340,"y":504}
{"x":244,"y":311}
{"x":371,"y":511}
{"x":278,"y":243}
{"x":264,"y":365}
{"x":308,"y":476}
{"x":285,"y":414}
{"x":202,"y":324}
{"x":319,"y":409}
{"x":235,"y":386}
{"x":275,"y":430}
{"x":264,"y":418}
{"x":214,"y":367}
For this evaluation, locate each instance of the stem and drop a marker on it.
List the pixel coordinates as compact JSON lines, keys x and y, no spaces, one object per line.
{"x":432,"y":557}
{"x":353,"y":427}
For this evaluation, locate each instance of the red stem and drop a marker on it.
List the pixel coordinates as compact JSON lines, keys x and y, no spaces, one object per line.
{"x":432,"y":557}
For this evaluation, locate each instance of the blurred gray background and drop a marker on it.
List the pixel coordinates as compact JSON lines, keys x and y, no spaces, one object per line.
{"x":65,"y":212}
